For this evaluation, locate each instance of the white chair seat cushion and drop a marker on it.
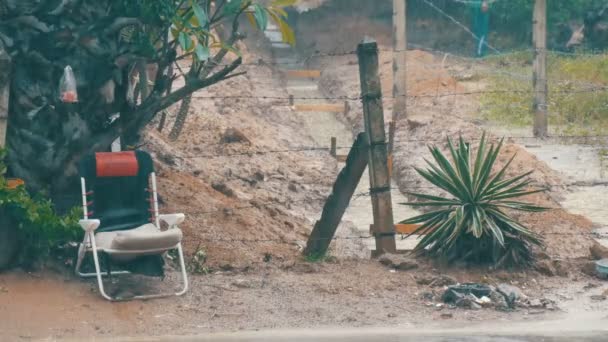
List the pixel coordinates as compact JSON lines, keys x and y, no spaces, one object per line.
{"x":146,"y":238}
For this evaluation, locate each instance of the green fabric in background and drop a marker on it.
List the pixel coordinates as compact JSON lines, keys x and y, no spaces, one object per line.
{"x":481,"y":26}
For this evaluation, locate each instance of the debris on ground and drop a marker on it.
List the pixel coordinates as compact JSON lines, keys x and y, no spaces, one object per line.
{"x":305,"y":268}
{"x":470,"y":296}
{"x":598,"y":251}
{"x":436,"y":281}
{"x":223,"y":188}
{"x":589,"y":268}
{"x":504,"y":297}
{"x":233,"y":135}
{"x":552,"y":268}
{"x":512,"y":294}
{"x":246,"y":284}
{"x":398,"y":262}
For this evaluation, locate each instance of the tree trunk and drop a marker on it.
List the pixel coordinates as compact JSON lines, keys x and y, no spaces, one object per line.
{"x":180,"y":119}
{"x":8,"y":240}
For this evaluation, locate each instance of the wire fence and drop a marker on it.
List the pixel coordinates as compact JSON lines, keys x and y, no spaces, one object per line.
{"x":482,"y":64}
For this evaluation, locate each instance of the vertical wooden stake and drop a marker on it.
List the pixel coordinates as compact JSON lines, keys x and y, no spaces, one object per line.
{"x":380,"y":184}
{"x":346,"y":108}
{"x":5,"y":80}
{"x":391,"y":136}
{"x":334,"y":147}
{"x":399,"y":63}
{"x":540,"y":69}
{"x":291,"y":100}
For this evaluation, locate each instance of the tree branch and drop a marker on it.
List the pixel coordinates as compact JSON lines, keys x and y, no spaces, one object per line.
{"x":145,"y":113}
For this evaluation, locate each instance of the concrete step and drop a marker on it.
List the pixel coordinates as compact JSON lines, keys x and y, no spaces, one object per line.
{"x":274,"y":36}
{"x":303,"y":87}
{"x":281,"y":46}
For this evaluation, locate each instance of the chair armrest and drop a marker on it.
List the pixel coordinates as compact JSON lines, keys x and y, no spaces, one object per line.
{"x":89,"y":226}
{"x":172,"y":219}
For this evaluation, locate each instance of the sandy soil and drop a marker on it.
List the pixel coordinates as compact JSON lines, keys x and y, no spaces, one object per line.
{"x":227,"y":190}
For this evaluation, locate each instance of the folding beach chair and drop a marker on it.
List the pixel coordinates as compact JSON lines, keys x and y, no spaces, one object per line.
{"x":121,"y":219}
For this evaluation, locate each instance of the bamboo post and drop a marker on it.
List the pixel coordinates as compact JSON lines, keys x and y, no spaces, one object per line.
{"x":540,"y":69}
{"x":5,"y":67}
{"x":371,"y":92}
{"x":399,"y":63}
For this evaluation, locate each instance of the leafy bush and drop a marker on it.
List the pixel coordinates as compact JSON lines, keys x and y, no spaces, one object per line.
{"x":40,"y":229}
{"x":471,"y":225}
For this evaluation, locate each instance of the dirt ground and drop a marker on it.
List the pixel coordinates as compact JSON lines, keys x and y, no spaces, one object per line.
{"x":230,"y":193}
{"x":354,"y":293}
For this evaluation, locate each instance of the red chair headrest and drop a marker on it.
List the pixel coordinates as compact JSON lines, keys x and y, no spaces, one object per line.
{"x":116,"y":164}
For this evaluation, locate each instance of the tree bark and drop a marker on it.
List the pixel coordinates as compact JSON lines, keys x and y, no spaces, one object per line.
{"x":180,"y":119}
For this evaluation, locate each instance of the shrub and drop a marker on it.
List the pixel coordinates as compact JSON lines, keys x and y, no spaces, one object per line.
{"x":471,"y":225}
{"x":39,"y":228}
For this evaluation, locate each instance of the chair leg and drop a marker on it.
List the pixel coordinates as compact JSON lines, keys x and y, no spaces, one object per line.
{"x":182,"y":264}
{"x":98,"y":273}
{"x":98,"y":269}
{"x":82,"y":251}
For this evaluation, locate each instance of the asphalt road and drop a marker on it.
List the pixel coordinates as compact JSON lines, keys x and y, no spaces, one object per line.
{"x":507,"y":333}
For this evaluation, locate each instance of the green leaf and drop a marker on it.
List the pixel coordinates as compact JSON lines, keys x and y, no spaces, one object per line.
{"x":202,"y":52}
{"x":284,"y":3}
{"x":185,"y":41}
{"x":201,"y":16}
{"x":232,"y":7}
{"x":261,"y":17}
{"x":432,"y":198}
{"x":494,"y":187}
{"x":427,"y":216}
{"x":478,"y":161}
{"x":520,"y":206}
{"x":289,"y":36}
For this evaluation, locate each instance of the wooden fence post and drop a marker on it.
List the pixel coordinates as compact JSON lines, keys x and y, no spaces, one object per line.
{"x":334,"y":147}
{"x":399,"y":64}
{"x":380,"y":184}
{"x":338,"y":200}
{"x":540,"y":69}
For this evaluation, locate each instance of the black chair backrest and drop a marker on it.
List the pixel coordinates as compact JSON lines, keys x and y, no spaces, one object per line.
{"x":117,"y":186}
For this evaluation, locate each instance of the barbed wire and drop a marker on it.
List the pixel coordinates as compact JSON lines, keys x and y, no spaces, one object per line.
{"x":261,"y":62}
{"x":423,"y":95}
{"x":231,"y":210}
{"x":359,"y":237}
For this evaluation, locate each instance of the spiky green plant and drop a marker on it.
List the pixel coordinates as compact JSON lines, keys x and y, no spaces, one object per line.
{"x":470,"y":224}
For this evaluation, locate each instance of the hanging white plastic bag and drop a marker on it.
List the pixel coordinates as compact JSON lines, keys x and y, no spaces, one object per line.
{"x":67,"y":86}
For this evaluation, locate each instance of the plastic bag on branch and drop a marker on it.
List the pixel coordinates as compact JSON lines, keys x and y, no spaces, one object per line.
{"x":67,"y":86}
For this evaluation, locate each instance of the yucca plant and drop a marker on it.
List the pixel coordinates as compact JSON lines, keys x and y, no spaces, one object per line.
{"x":470,"y":224}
